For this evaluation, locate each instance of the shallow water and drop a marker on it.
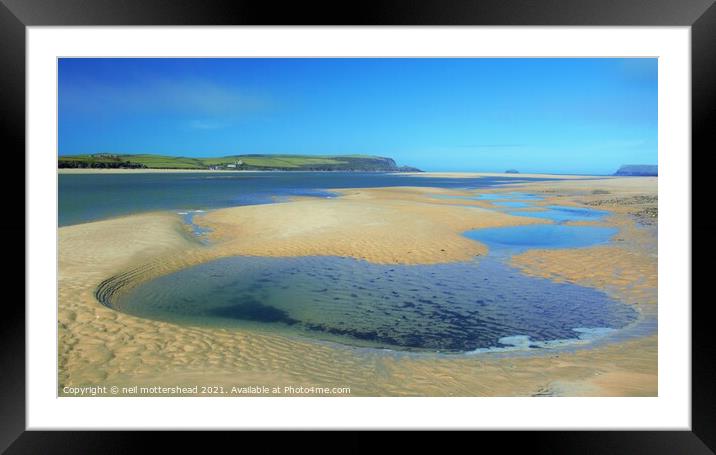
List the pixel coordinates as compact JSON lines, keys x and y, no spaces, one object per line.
{"x":457,"y":307}
{"x":467,"y":307}
{"x":511,"y":240}
{"x":512,"y":204}
{"x":516,"y":239}
{"x":88,"y":197}
{"x":198,"y":231}
{"x":562,"y":214}
{"x":512,"y":197}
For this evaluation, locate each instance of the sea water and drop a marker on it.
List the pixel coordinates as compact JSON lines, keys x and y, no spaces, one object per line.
{"x":88,"y":197}
{"x":483,"y":305}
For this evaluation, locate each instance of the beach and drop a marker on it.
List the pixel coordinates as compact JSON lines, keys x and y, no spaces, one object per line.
{"x":99,"y":345}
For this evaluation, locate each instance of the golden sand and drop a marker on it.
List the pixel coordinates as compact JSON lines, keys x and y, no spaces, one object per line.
{"x":101,"y":346}
{"x":472,"y":175}
{"x":385,"y":226}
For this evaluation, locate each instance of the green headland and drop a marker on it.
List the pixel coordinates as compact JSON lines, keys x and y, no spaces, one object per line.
{"x":254,"y":162}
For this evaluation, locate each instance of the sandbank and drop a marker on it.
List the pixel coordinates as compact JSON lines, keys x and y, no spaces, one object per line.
{"x":102,"y":346}
{"x":467,"y":175}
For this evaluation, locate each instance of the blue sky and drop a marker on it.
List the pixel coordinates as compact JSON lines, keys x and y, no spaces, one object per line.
{"x":535,"y":115}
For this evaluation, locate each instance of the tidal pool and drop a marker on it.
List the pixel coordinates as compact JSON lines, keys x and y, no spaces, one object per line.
{"x":198,"y":231}
{"x":561,"y":214}
{"x":516,"y":239}
{"x":456,"y":307}
{"x":476,"y":306}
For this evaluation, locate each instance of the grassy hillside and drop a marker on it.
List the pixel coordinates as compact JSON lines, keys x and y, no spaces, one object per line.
{"x":243,"y":162}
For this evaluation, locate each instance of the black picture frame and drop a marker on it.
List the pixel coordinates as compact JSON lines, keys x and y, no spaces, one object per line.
{"x":700,"y":15}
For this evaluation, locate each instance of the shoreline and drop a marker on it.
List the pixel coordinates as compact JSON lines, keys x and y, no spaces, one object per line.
{"x":461,"y":174}
{"x":412,"y":174}
{"x":150,"y":171}
{"x":98,"y":344}
{"x":216,"y":171}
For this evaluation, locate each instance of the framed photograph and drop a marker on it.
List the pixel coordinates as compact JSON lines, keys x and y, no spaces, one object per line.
{"x":475,"y":216}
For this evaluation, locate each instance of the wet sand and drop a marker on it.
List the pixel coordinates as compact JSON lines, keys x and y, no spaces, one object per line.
{"x":505,"y":175}
{"x":101,"y":346}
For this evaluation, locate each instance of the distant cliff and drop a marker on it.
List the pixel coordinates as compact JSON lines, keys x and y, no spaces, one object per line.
{"x":254,"y":162}
{"x":640,"y":170}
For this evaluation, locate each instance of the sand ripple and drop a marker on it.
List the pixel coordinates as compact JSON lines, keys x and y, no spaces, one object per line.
{"x":101,"y":346}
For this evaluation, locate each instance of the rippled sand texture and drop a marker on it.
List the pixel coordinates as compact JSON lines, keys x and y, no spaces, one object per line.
{"x":384,"y":226}
{"x":100,"y":346}
{"x":627,"y":268}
